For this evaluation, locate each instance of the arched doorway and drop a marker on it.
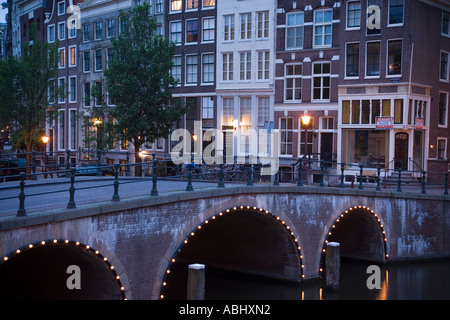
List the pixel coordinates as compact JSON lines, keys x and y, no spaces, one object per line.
{"x":401,"y":151}
{"x":40,"y":272}
{"x":247,"y":242}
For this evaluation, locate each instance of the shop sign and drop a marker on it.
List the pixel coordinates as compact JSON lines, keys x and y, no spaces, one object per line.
{"x":418,"y":124}
{"x":384,"y":123}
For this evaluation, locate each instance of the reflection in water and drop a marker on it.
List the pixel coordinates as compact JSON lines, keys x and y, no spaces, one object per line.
{"x":424,"y":280}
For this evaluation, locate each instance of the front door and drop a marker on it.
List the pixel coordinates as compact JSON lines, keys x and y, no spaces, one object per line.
{"x":401,"y":151}
{"x":326,"y":148}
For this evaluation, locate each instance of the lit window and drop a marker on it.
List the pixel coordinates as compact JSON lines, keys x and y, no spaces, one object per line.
{"x":175,"y":5}
{"x":294,"y":31}
{"x":395,"y":57}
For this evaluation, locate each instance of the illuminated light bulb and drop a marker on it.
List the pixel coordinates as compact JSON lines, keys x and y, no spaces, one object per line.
{"x":342,"y":215}
{"x":351,"y":209}
{"x":368,"y":208}
{"x":254,"y":208}
{"x":122,"y":288}
{"x":242,"y":207}
{"x":299,"y":248}
{"x":337,"y":220}
{"x":292,"y":233}
{"x":55,"y":241}
{"x":105,"y":259}
{"x":164,"y":283}
{"x":77,"y":243}
{"x":323,"y":250}
{"x":363,"y":207}
{"x":267,"y":211}
{"x":358,"y":207}
{"x":228,"y":210}
{"x":42,"y":242}
{"x":199,"y":227}
{"x":5,"y":258}
{"x":185,"y":241}
{"x":320,"y":269}
{"x":234,"y":208}
{"x":278,"y":218}
{"x":303,"y":265}
{"x":66,"y":241}
{"x":385,"y":240}
{"x":112,"y":267}
{"x":303,"y":275}
{"x":117,"y":277}
{"x":30,"y":246}
{"x":96,"y":252}
{"x":87,"y":247}
{"x":260,"y":209}
{"x":220,"y":213}
{"x":214,"y":217}
{"x":162,"y":296}
{"x":173,"y":260}
{"x":248,"y":207}
{"x":168,"y":271}
{"x":334,"y":226}
{"x":329,"y":233}
{"x":17,"y":251}
{"x":326,"y":241}
{"x":381,"y":225}
{"x":387,"y":255}
{"x":192,"y":233}
{"x":206,"y":221}
{"x":301,"y":256}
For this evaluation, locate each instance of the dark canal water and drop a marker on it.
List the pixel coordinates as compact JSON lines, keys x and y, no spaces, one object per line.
{"x":412,"y":280}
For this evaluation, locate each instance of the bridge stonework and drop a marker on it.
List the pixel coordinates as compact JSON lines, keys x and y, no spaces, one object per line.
{"x":141,"y":236}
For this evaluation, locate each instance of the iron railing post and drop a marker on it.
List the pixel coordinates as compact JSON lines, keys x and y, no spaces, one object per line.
{"x":71,"y":203}
{"x":221,"y":173}
{"x":33,"y":165}
{"x":446,"y":184}
{"x":321,"y":173}
{"x":342,"y":175}
{"x":116,"y":196}
{"x":250,"y":175}
{"x":378,"y":178}
{"x":361,"y":177}
{"x":189,"y":185}
{"x":154,"y":176}
{"x":300,"y":173}
{"x":22,"y":212}
{"x":399,"y":182}
{"x":423,"y":182}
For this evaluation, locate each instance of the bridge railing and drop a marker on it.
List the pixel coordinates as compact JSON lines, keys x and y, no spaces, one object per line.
{"x":303,"y":172}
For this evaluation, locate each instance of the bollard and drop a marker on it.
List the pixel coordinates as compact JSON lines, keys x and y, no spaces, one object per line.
{"x":22,"y":212}
{"x":154,"y":176}
{"x":71,"y":203}
{"x":196,"y":282}
{"x":332,"y":265}
{"x":189,"y":185}
{"x":116,"y":197}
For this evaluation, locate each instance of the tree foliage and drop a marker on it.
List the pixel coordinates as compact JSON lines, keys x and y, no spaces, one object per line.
{"x":139,"y":80}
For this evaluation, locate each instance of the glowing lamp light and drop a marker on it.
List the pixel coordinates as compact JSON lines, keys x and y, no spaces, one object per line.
{"x":45,"y":139}
{"x":306,"y":119}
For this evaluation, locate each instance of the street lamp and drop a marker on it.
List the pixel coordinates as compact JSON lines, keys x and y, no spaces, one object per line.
{"x":306,"y":120}
{"x":45,"y":140}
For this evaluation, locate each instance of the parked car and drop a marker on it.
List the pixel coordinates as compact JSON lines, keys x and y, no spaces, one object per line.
{"x":11,"y":168}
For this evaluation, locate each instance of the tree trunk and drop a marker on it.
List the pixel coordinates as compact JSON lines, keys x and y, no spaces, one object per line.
{"x":137,"y":160}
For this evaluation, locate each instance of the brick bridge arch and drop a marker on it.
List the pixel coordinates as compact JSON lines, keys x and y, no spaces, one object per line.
{"x":140,"y":236}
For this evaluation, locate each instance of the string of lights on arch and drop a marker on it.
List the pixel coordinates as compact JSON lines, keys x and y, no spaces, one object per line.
{"x":338,"y":220}
{"x":216,"y":217}
{"x":79,"y":245}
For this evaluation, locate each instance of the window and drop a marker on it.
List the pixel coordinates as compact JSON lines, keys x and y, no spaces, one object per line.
{"x":176,"y":69}
{"x":73,"y":28}
{"x":395,"y":11}
{"x":98,"y":93}
{"x":294,"y":30}
{"x":321,"y":81}
{"x":72,"y":89}
{"x":229,"y":28}
{"x":246,"y":26}
{"x":286,"y":136}
{"x":191,"y":4}
{"x":263,"y":65}
{"x":373,"y":59}
{"x":192,"y":30}
{"x":209,"y":3}
{"x":72,"y":56}
{"x":61,"y":8}
{"x":86,"y":32}
{"x":62,"y":31}
{"x":207,"y":108}
{"x":352,"y":57}
{"x":159,"y":6}
{"x":208,"y":33}
{"x":208,"y":68}
{"x":86,"y":61}
{"x":175,"y":5}
{"x":61,"y":58}
{"x":441,"y":148}
{"x":444,"y":72}
{"x":322,"y":28}
{"x":445,"y":23}
{"x":227,"y":111}
{"x":98,"y":30}
{"x":306,"y":137}
{"x":443,"y":109}
{"x":353,"y":14}
{"x":394,"y":57}
{"x":98,"y":60}
{"x":262,"y":25}
{"x":73,"y":128}
{"x":245,"y":111}
{"x":191,"y":69}
{"x":110,"y":28}
{"x":61,"y":89}
{"x":61,"y":127}
{"x":51,"y":33}
{"x":175,"y":31}
{"x":51,"y":91}
{"x":228,"y":65}
{"x":109,"y":56}
{"x":245,"y":66}
{"x":293,"y":82}
{"x":87,"y":94}
{"x":263,"y":110}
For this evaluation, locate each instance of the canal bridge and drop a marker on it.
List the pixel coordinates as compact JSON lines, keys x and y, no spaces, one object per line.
{"x":129,"y":248}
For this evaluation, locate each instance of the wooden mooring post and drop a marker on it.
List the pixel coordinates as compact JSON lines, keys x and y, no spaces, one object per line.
{"x":196,"y":282}
{"x":332,"y":265}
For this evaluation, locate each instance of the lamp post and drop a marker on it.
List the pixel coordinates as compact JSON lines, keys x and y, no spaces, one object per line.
{"x":45,"y":140}
{"x":305,"y":121}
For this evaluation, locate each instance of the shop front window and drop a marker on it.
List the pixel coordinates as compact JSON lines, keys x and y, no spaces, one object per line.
{"x":366,"y":147}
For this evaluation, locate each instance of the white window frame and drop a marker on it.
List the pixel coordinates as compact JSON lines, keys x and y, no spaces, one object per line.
{"x":347,"y":27}
{"x":70,"y":89}
{"x":207,"y":7}
{"x":49,"y":27}
{"x":72,"y":56}
{"x":445,"y":148}
{"x":245,"y":26}
{"x":74,"y":146}
{"x":445,"y":34}
{"x":295,"y":27}
{"x":288,"y":131}
{"x":174,"y":6}
{"x":198,"y":32}
{"x":294,"y":77}
{"x":178,"y":68}
{"x":62,"y":64}
{"x":62,"y":27}
{"x":445,"y":125}
{"x":108,"y":28}
{"x":206,"y":27}
{"x":387,"y":59}
{"x":447,"y":72}
{"x":228,"y":67}
{"x":346,"y":76}
{"x":88,"y":26}
{"x":84,"y":94}
{"x":389,"y":16}
{"x":366,"y":76}
{"x":263,"y":65}
{"x":194,"y":4}
{"x":263,"y":109}
{"x":63,"y":11}
{"x":96,"y":23}
{"x":321,"y":75}
{"x":245,"y":66}
{"x":262,"y":25}
{"x":61,"y":137}
{"x":188,"y":74}
{"x":229,"y":21}
{"x":178,"y":32}
{"x":95,"y":60}
{"x":300,"y":146}
{"x":209,"y":68}
{"x":208,"y":107}
{"x":323,"y":25}
{"x":58,"y":88}
{"x":84,"y":61}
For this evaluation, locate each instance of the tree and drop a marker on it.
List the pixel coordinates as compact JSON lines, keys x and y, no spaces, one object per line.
{"x":139,"y":81}
{"x":24,"y":84}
